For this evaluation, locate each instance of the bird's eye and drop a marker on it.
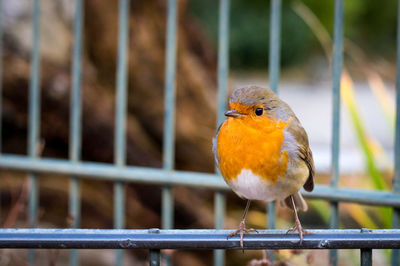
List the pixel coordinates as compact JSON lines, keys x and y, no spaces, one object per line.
{"x":259,"y":111}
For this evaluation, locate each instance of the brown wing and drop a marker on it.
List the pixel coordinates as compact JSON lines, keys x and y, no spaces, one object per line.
{"x":306,"y":155}
{"x":304,"y":151}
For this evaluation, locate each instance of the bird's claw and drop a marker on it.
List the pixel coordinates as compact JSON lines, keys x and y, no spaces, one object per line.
{"x":297,"y":226}
{"x":242,"y":229}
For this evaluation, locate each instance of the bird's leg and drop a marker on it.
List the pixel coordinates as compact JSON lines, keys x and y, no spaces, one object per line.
{"x":242,"y":226}
{"x":297,"y":225}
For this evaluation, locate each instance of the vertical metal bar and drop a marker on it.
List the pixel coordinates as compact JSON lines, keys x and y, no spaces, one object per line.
{"x":271,"y":210}
{"x":75,"y":124}
{"x":121,"y":97}
{"x":275,"y":44}
{"x":337,"y":73}
{"x":274,"y":69}
{"x":396,"y":181}
{"x":120,"y":118}
{"x":1,"y":88}
{"x":34,"y":108}
{"x":223,"y":73}
{"x":223,"y":59}
{"x":169,"y":132}
{"x":167,"y":210}
{"x":169,"y":120}
{"x":1,"y":81}
{"x":333,"y":223}
{"x":34,"y":120}
{"x":154,"y":257}
{"x":219,"y":213}
{"x":167,"y":215}
{"x":167,"y":202}
{"x":271,"y":222}
{"x":366,"y":257}
{"x":119,"y":217}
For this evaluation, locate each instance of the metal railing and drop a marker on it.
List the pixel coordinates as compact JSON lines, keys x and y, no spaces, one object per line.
{"x":156,"y":239}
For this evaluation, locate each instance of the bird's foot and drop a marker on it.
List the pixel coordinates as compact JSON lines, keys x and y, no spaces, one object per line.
{"x":297,"y":226}
{"x":242,"y":229}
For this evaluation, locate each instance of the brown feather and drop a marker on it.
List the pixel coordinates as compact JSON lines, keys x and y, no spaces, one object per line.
{"x":306,"y":156}
{"x":300,"y":203}
{"x":304,"y":151}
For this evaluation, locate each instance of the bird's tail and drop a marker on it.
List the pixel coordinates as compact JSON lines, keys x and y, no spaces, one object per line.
{"x":299,"y":202}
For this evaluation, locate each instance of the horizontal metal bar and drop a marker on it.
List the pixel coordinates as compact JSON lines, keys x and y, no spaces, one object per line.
{"x":362,"y":196}
{"x":112,"y":172}
{"x":196,"y":239}
{"x":184,"y":178}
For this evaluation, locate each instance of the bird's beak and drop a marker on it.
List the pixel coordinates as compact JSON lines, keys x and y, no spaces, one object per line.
{"x":233,"y":113}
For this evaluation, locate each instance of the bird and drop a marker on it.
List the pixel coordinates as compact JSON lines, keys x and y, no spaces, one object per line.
{"x":262,"y":152}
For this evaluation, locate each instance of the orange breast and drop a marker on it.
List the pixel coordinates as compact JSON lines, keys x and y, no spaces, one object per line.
{"x":253,"y":144}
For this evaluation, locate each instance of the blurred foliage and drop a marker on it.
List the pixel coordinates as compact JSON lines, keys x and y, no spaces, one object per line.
{"x":249,"y":29}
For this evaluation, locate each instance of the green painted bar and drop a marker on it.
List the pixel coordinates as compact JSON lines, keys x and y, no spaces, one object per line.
{"x":76,"y":96}
{"x":334,"y":223}
{"x":275,"y":44}
{"x":223,"y":59}
{"x":121,"y":105}
{"x":167,"y":198}
{"x":154,"y":257}
{"x":395,"y":252}
{"x":271,"y":215}
{"x":336,"y":73}
{"x":1,"y":92}
{"x":170,"y":73}
{"x":33,"y":202}
{"x":1,"y":84}
{"x":103,"y":171}
{"x":74,"y":214}
{"x":167,"y":215}
{"x":222,"y":83}
{"x":169,"y":119}
{"x":366,"y":257}
{"x":34,"y":121}
{"x":34,"y":108}
{"x":121,"y":85}
{"x":155,"y":254}
{"x":274,"y":69}
{"x":396,"y":182}
{"x":167,"y":211}
{"x":271,"y":222}
{"x":219,"y":213}
{"x":120,"y":117}
{"x":119,"y":217}
{"x":75,"y":125}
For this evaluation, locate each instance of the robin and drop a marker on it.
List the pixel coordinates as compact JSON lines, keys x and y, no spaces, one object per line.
{"x":262,"y":152}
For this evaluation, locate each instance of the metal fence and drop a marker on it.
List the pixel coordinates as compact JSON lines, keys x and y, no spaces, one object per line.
{"x":155,"y":239}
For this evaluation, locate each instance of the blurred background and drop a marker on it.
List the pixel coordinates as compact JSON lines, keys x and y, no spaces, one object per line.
{"x":366,"y":156}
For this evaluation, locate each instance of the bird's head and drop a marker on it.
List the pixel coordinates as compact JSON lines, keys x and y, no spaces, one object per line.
{"x":253,"y":102}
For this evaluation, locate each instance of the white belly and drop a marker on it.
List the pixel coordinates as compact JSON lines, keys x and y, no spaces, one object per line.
{"x":253,"y":187}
